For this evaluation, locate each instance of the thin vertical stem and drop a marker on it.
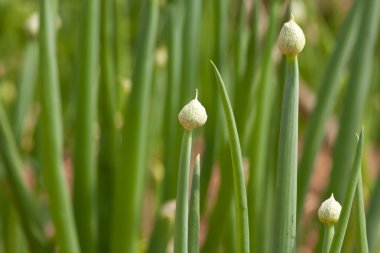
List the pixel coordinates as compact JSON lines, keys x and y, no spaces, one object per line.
{"x":51,"y":141}
{"x":182,"y":206}
{"x":84,"y":142}
{"x":107,"y":143}
{"x":286,"y":181}
{"x":328,"y":237}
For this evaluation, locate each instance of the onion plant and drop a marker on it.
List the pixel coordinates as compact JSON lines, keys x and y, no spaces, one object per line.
{"x":192,"y":115}
{"x":91,"y":158}
{"x":291,"y":42}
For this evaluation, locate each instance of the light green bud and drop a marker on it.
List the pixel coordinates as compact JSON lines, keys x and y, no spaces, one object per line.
{"x":192,"y":115}
{"x":292,"y":39}
{"x":329,"y":211}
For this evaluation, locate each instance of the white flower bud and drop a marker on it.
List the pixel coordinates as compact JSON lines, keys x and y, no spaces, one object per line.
{"x":329,"y":211}
{"x":292,"y":39}
{"x":32,"y":25}
{"x":192,"y":115}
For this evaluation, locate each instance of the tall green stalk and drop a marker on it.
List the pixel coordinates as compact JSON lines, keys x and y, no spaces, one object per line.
{"x":84,"y":195}
{"x":130,"y":173}
{"x":340,"y":231}
{"x":107,"y":142}
{"x":238,"y":173}
{"x":326,"y":97}
{"x":51,"y":141}
{"x":286,"y":182}
{"x":291,"y":41}
{"x":328,"y":237}
{"x":182,"y":207}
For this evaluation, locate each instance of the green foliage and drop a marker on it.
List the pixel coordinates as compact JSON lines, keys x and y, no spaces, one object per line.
{"x":90,"y":143}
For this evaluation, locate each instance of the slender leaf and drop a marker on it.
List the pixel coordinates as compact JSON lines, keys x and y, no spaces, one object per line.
{"x":238,"y":173}
{"x":341,"y":226}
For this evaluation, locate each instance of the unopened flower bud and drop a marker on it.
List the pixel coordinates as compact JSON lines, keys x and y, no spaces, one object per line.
{"x":292,"y":39}
{"x":192,"y":115}
{"x":329,"y":211}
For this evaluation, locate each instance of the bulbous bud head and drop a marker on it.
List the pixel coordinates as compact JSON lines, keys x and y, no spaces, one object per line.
{"x":32,"y":25}
{"x":329,"y":211}
{"x":192,"y":115}
{"x":292,"y":39}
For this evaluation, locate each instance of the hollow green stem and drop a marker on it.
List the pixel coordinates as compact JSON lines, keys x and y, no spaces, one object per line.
{"x":51,"y":141}
{"x":182,"y":207}
{"x":84,"y":142}
{"x":107,"y":143}
{"x":194,"y":210}
{"x":337,"y":242}
{"x":286,"y":181}
{"x":238,"y":172}
{"x":328,"y":237}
